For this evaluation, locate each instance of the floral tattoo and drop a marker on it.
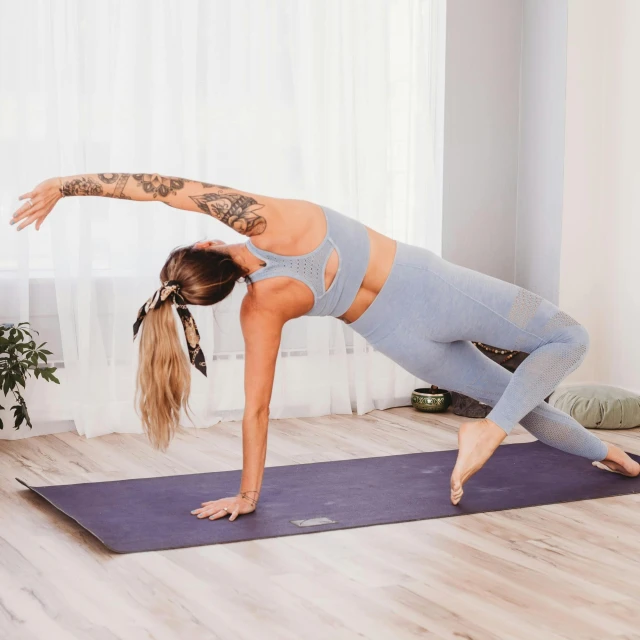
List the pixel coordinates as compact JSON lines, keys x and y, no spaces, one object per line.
{"x":81,"y":187}
{"x":238,"y":211}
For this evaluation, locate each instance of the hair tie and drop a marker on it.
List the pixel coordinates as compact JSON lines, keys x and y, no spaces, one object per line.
{"x":170,"y":289}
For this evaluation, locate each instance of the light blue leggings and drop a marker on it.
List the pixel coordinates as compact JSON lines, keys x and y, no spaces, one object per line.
{"x":428,"y":312}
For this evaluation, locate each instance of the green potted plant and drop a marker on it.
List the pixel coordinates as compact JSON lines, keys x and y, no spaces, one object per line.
{"x":19,"y":359}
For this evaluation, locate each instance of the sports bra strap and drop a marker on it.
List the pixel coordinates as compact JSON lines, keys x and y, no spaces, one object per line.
{"x":350,"y":240}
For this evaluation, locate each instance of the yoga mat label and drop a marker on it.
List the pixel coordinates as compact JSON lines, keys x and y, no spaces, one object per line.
{"x":312,"y":522}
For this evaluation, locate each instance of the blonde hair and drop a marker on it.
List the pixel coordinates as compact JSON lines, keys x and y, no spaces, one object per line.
{"x":163,"y":381}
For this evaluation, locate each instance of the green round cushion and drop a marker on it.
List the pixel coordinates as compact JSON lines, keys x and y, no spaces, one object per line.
{"x":599,"y":406}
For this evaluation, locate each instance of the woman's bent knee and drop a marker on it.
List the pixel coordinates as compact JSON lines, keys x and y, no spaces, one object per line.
{"x":575,"y":334}
{"x":578,"y":336}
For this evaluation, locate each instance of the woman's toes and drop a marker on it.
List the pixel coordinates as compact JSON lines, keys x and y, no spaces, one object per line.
{"x":632,"y":470}
{"x":456,"y":487}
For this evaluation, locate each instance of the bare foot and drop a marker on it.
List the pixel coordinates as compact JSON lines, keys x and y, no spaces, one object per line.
{"x":477,"y":441}
{"x":618,"y":461}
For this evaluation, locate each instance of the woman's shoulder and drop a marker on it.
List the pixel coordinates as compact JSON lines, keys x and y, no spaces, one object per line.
{"x":293,"y":227}
{"x":277,"y":299}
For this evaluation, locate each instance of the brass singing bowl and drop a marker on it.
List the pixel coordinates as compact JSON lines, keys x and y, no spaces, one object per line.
{"x":431,"y":400}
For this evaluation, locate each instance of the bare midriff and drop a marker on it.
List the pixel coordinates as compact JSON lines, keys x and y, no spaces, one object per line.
{"x":381,"y":255}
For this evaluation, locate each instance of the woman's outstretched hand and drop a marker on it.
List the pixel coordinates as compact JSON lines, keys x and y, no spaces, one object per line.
{"x":42,"y":199}
{"x":233,"y":507}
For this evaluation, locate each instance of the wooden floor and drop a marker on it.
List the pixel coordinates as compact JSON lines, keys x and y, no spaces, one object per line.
{"x":542,"y":573}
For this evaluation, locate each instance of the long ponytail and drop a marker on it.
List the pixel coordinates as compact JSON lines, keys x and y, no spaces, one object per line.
{"x":163,"y":381}
{"x":164,"y":377}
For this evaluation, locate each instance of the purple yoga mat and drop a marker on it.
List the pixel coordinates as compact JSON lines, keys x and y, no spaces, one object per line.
{"x":150,"y":514}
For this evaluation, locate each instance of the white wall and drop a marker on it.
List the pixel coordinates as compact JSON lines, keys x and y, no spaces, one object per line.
{"x":482,"y":79}
{"x":542,"y":118}
{"x":541,"y":154}
{"x":600,"y":261}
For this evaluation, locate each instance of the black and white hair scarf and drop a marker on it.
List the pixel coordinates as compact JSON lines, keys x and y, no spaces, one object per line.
{"x":171,"y":290}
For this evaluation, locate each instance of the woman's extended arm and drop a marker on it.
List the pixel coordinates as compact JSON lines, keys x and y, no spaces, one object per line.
{"x":242,"y":211}
{"x":262,"y":333}
{"x":238,"y":209}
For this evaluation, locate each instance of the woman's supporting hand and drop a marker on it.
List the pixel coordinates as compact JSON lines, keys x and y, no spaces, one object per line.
{"x":42,"y":200}
{"x":233,"y":507}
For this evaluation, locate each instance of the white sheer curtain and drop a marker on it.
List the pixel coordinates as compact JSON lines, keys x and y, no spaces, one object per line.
{"x":333,"y":101}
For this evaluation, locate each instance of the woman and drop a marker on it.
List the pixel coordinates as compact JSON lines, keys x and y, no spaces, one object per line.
{"x":304,"y":259}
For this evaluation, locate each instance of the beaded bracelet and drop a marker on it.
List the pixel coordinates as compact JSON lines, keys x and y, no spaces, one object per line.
{"x":244,"y":496}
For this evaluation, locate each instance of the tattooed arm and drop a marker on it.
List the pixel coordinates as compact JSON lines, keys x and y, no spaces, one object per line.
{"x":237,"y":209}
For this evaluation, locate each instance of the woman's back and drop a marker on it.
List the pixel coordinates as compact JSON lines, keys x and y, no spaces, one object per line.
{"x":338,"y":260}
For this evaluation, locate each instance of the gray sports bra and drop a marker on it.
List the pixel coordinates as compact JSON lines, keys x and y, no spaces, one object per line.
{"x":350,"y":240}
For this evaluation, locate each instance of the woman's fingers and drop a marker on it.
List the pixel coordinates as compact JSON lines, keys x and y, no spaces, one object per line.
{"x":213,"y":513}
{"x":28,"y":214}
{"x":38,"y":215}
{"x":205,"y":506}
{"x":41,"y":201}
{"x":27,"y":221}
{"x":210,"y":510}
{"x":40,"y":221}
{"x":24,"y":210}
{"x":216,"y":509}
